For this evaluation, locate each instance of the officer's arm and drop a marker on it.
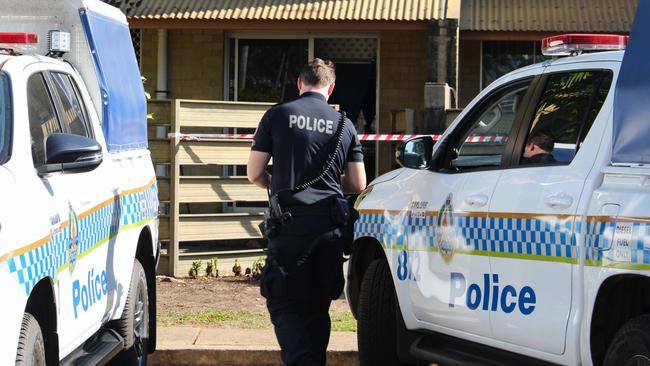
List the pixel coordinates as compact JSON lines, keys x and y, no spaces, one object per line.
{"x":256,"y":168}
{"x":354,"y":180}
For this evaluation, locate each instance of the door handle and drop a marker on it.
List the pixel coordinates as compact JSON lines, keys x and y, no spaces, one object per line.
{"x":477,"y":200}
{"x":559,"y":200}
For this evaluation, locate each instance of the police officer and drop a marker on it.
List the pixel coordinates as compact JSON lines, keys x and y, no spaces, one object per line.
{"x":303,"y":272}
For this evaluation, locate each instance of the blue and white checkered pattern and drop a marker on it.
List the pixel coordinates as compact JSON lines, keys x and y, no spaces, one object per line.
{"x":600,"y":247}
{"x":389,"y":229}
{"x":94,"y":228}
{"x":539,"y":236}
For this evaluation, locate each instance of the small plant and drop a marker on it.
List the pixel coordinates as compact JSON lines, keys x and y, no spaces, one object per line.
{"x":236,"y":269}
{"x":196,"y":268}
{"x":211,"y":269}
{"x":258,"y":265}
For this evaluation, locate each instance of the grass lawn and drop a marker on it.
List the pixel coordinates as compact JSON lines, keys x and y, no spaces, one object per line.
{"x":243,"y":319}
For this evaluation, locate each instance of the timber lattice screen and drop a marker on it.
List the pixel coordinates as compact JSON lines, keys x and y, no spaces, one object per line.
{"x":204,"y":194}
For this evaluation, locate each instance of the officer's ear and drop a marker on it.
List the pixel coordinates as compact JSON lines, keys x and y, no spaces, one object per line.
{"x":330,"y":89}
{"x":299,"y":84}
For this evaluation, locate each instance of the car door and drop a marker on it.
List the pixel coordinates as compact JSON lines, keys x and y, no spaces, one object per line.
{"x":88,"y":217}
{"x":446,"y":258}
{"x":534,"y":206}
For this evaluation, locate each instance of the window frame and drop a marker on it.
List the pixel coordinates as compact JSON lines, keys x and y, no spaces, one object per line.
{"x":442,"y":161}
{"x":310,"y":37}
{"x":44,"y":77}
{"x":6,"y":151}
{"x":522,"y":135}
{"x":58,"y":103}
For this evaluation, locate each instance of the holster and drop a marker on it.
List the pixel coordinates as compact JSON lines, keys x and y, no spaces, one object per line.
{"x":344,"y":216}
{"x":274,"y":218}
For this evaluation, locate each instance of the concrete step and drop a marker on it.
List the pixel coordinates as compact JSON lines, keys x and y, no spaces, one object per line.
{"x":180,"y":346}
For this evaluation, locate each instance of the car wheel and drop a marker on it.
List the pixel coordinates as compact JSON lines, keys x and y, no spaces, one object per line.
{"x":31,"y":346}
{"x":377,"y":317}
{"x":631,"y":345}
{"x":133,"y":326}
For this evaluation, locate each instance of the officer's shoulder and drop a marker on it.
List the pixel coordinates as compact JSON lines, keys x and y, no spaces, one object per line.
{"x":283,"y":106}
{"x":275,"y":109}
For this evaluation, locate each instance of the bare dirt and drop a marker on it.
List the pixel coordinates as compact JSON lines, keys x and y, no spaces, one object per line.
{"x":222,"y":293}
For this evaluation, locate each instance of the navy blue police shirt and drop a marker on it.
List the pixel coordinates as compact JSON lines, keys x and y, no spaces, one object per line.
{"x":300,"y":136}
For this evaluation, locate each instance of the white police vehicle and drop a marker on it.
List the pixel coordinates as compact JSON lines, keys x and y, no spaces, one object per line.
{"x":78,"y":194}
{"x":469,"y":255}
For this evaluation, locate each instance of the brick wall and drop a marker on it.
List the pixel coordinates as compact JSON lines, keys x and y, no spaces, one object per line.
{"x":148,"y":55}
{"x":402,"y":74}
{"x":469,"y":71}
{"x":195,"y":62}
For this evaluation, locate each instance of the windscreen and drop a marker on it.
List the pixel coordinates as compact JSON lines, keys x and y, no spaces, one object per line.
{"x":5,"y":117}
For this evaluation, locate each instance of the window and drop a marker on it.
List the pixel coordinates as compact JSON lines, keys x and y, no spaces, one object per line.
{"x":72,"y":114}
{"x":5,"y":117}
{"x":481,"y":141}
{"x":267,"y":69}
{"x":42,"y":118}
{"x":564,"y":114}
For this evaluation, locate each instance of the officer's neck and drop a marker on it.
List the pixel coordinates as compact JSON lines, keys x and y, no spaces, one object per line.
{"x":312,"y":89}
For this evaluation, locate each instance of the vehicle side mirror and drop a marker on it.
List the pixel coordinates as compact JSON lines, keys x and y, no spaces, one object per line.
{"x":67,"y":152}
{"x":415,"y":153}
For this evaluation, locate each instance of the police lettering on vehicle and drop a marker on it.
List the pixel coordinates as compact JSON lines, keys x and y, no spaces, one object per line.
{"x":491,"y":297}
{"x":89,"y":292}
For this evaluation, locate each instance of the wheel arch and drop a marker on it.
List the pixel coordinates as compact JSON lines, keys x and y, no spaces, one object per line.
{"x":146,"y":256}
{"x":620,"y":298}
{"x":364,"y":251}
{"x":42,"y":305}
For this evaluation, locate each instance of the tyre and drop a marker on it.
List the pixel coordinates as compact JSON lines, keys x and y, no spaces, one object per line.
{"x":31,"y":346}
{"x":133,"y":326}
{"x":631,"y":345}
{"x":377,"y":317}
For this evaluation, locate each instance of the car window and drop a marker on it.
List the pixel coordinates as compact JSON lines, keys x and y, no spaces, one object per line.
{"x":72,"y":114}
{"x":482,"y":139}
{"x":5,"y":117}
{"x":564,"y":114}
{"x":42,"y":118}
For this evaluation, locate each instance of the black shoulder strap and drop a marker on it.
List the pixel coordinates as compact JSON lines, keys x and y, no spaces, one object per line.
{"x":330,"y":160}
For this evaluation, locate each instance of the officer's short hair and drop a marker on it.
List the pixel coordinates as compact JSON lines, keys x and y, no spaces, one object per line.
{"x":318,"y":72}
{"x":543,"y":140}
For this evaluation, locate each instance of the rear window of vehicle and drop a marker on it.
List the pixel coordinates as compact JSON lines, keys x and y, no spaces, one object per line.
{"x":5,"y":118}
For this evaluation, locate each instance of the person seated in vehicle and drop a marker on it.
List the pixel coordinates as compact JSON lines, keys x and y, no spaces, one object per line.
{"x":538,"y":149}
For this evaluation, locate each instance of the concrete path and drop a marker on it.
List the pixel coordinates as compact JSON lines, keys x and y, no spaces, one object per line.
{"x":179,"y":346}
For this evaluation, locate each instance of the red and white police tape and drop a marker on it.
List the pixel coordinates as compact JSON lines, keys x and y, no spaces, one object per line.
{"x":365,"y":137}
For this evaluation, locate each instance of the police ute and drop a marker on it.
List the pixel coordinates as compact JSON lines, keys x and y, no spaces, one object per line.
{"x":79,"y":207}
{"x":481,"y":251}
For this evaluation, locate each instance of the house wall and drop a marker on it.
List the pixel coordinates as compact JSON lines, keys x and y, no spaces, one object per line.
{"x":402,"y":74}
{"x":195,"y":62}
{"x":196,"y":67}
{"x":469,"y":71}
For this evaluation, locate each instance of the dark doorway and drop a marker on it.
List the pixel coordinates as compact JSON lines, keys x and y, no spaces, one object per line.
{"x":355,"y":93}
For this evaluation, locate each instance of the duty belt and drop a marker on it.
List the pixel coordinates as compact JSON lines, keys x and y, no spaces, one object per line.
{"x":313,"y":210}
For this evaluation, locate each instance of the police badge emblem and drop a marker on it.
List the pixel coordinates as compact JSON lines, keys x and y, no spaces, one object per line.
{"x":445,"y":235}
{"x":73,"y":245}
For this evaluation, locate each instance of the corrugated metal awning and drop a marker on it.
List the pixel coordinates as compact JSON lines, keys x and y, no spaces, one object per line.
{"x":548,"y":15}
{"x":397,"y":10}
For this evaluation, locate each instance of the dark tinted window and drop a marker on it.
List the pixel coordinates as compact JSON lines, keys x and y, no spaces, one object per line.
{"x":566,"y":110}
{"x":72,"y":114}
{"x":5,"y":117}
{"x":42,"y":118}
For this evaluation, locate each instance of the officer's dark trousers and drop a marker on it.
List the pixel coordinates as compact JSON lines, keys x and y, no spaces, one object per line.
{"x":299,"y":308}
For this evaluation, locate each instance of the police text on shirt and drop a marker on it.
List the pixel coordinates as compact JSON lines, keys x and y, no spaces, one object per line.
{"x":311,"y":124}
